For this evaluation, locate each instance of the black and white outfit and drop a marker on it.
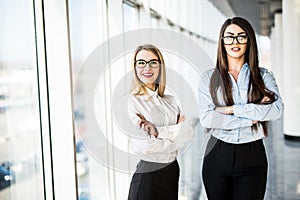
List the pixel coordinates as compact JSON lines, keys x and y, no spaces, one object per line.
{"x":157,"y":173}
{"x":235,"y":164}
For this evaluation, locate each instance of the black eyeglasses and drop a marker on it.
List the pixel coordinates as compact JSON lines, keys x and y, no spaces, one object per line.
{"x":241,"y":39}
{"x":142,"y":63}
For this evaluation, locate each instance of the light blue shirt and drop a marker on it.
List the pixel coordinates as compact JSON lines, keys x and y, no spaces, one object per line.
{"x":236,"y":128}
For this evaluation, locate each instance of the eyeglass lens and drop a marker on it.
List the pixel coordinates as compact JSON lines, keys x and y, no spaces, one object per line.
{"x":242,"y":39}
{"x":143,"y":63}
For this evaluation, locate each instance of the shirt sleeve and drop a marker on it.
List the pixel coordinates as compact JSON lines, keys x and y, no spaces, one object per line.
{"x":178,"y":133}
{"x":151,"y":144}
{"x":262,"y":112}
{"x":210,"y":118}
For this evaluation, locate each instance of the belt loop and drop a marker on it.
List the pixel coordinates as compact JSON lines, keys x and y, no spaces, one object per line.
{"x":219,"y":143}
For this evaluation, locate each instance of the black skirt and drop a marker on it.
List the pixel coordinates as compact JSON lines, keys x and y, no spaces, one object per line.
{"x":155,"y":181}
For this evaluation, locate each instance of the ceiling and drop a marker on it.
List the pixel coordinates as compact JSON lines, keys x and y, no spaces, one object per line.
{"x":260,"y":13}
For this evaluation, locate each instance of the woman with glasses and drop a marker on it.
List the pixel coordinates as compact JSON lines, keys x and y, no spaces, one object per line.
{"x":162,"y":125}
{"x":236,"y":100}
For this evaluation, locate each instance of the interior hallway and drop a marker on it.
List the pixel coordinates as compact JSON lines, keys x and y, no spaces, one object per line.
{"x":284,"y":165}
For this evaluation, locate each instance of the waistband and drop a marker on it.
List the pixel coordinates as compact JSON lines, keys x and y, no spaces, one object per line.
{"x":221,"y":143}
{"x":146,"y":166}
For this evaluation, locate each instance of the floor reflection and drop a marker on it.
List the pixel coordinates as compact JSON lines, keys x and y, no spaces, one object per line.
{"x":284,"y":165}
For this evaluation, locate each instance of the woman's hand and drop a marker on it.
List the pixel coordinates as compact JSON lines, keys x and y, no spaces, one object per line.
{"x":180,"y":118}
{"x":147,"y":126}
{"x":225,"y":109}
{"x":266,"y":100}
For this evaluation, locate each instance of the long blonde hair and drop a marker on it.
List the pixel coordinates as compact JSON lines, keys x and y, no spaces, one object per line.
{"x":139,"y":87}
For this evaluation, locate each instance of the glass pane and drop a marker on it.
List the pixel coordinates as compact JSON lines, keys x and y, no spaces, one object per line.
{"x":20,"y":138}
{"x":130,"y":17}
{"x":154,"y":22}
{"x":87,"y":31}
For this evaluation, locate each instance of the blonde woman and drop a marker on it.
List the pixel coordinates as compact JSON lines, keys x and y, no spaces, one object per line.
{"x":160,"y":118}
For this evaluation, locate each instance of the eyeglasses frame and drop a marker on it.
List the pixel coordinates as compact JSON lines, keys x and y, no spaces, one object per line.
{"x":235,"y":38}
{"x":147,"y":62}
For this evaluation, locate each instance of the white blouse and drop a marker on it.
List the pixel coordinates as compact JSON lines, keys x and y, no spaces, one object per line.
{"x":162,"y":112}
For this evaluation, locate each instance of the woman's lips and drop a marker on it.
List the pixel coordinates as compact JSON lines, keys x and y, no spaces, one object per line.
{"x":235,"y":49}
{"x":148,"y":75}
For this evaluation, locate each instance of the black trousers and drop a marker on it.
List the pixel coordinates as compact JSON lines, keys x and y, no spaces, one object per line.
{"x":160,"y":184}
{"x":235,"y":171}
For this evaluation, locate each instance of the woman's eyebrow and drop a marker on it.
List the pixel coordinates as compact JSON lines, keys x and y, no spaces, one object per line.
{"x":240,"y":33}
{"x":229,"y":33}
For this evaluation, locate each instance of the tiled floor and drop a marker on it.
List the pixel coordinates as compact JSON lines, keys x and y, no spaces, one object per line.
{"x":284,"y":165}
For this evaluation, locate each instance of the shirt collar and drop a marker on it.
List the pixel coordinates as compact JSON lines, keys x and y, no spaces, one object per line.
{"x":152,"y":93}
{"x":245,"y":70}
{"x":245,"y":67}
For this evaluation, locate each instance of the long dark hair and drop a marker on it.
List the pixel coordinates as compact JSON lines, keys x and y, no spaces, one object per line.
{"x":220,"y":80}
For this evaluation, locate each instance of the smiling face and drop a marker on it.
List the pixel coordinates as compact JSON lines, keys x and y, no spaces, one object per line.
{"x":237,"y":49}
{"x":148,"y":75}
